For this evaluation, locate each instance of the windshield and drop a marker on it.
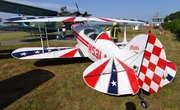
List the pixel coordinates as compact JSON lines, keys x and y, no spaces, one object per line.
{"x":93,"y":31}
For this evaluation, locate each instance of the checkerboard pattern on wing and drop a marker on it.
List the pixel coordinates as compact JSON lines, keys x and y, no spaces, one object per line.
{"x":153,"y":66}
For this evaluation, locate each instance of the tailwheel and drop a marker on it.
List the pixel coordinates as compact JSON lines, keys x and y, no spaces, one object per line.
{"x":144,"y":104}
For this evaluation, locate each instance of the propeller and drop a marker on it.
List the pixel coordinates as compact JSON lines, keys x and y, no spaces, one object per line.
{"x":78,"y":12}
{"x":77,"y":6}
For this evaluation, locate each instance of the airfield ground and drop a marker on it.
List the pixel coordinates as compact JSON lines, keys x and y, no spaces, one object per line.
{"x":58,"y":83}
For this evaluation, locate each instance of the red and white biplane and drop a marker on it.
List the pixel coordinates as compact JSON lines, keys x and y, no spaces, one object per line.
{"x":118,"y":69}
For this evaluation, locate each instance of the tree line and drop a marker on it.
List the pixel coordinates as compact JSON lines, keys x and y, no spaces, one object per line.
{"x":172,"y":23}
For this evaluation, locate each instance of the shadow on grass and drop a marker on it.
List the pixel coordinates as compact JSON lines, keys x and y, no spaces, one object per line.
{"x":14,"y":88}
{"x":4,"y":54}
{"x":60,"y":61}
{"x":130,"y":106}
{"x":178,"y":37}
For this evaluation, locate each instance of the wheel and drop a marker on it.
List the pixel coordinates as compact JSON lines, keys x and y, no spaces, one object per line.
{"x":144,"y":104}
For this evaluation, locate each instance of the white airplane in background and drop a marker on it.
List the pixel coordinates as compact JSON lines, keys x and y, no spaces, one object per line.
{"x":118,"y":69}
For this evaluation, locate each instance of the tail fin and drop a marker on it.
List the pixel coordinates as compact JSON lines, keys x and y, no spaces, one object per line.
{"x":149,"y":56}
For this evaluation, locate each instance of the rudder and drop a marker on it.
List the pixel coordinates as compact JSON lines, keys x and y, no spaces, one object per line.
{"x":153,"y":71}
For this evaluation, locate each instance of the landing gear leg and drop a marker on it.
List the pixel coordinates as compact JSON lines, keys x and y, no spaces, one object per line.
{"x":59,"y":37}
{"x":144,"y":103}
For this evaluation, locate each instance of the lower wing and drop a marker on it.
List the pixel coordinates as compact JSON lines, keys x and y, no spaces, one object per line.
{"x":49,"y":52}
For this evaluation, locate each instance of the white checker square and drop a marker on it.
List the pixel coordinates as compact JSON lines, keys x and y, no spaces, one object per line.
{"x":149,"y":74}
{"x":150,"y":47}
{"x":170,"y":71}
{"x":158,"y":43}
{"x":145,"y":87}
{"x":162,"y":54}
{"x":159,"y":71}
{"x":162,"y":82}
{"x":154,"y":59}
{"x":142,"y":76}
{"x":145,"y":62}
{"x":154,"y":86}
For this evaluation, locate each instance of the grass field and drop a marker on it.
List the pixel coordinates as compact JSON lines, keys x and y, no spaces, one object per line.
{"x":58,"y":83}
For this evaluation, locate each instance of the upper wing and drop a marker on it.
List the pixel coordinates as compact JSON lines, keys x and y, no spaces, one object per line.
{"x":111,"y":76}
{"x":10,"y":7}
{"x":50,"y":52}
{"x":71,"y":19}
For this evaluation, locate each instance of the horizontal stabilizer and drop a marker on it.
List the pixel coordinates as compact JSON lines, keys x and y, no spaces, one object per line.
{"x":50,"y":52}
{"x":111,"y":76}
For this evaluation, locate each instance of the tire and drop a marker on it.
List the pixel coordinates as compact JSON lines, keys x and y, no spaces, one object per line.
{"x":144,"y":104}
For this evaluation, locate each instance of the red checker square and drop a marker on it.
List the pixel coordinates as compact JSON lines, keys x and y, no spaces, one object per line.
{"x":162,"y":63}
{"x":159,"y":88}
{"x":157,"y":79}
{"x":171,"y":65}
{"x":140,"y":82}
{"x":147,"y":55}
{"x":152,"y":66}
{"x":152,"y":39}
{"x":156,"y":51}
{"x":143,"y":69}
{"x":147,"y":81}
{"x":163,"y":77}
{"x":151,"y":90}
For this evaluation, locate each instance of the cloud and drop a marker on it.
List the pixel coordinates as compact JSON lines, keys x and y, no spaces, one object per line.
{"x":44,"y":5}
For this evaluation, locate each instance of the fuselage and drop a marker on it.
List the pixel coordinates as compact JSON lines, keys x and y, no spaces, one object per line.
{"x":94,"y":42}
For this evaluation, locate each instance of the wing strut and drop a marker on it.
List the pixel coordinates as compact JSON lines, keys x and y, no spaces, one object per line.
{"x":46,"y":34}
{"x":41,"y":37}
{"x":17,"y":10}
{"x":125,"y":40}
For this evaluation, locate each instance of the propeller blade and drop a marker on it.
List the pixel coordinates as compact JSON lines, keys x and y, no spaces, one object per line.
{"x":77,"y":6}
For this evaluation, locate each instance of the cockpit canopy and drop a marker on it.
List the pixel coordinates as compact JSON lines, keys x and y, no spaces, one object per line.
{"x":93,"y":31}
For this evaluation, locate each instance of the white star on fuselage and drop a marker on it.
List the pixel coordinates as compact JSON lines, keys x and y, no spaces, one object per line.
{"x":113,"y":83}
{"x":23,"y":54}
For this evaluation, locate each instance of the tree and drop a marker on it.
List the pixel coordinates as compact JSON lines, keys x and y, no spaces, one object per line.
{"x":172,"y":16}
{"x":174,"y":25}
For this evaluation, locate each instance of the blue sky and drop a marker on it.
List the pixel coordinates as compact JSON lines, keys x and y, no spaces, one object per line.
{"x":138,"y":9}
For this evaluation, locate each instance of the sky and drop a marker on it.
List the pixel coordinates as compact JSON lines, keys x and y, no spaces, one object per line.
{"x":137,"y":9}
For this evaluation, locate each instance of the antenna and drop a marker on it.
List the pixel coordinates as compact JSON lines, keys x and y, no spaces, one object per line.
{"x":157,"y":12}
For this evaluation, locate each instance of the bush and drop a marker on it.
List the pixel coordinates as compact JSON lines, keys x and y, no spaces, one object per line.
{"x":166,"y":25}
{"x":175,"y":26}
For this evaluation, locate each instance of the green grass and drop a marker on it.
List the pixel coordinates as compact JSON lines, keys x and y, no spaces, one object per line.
{"x":58,"y":83}
{"x":13,"y":35}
